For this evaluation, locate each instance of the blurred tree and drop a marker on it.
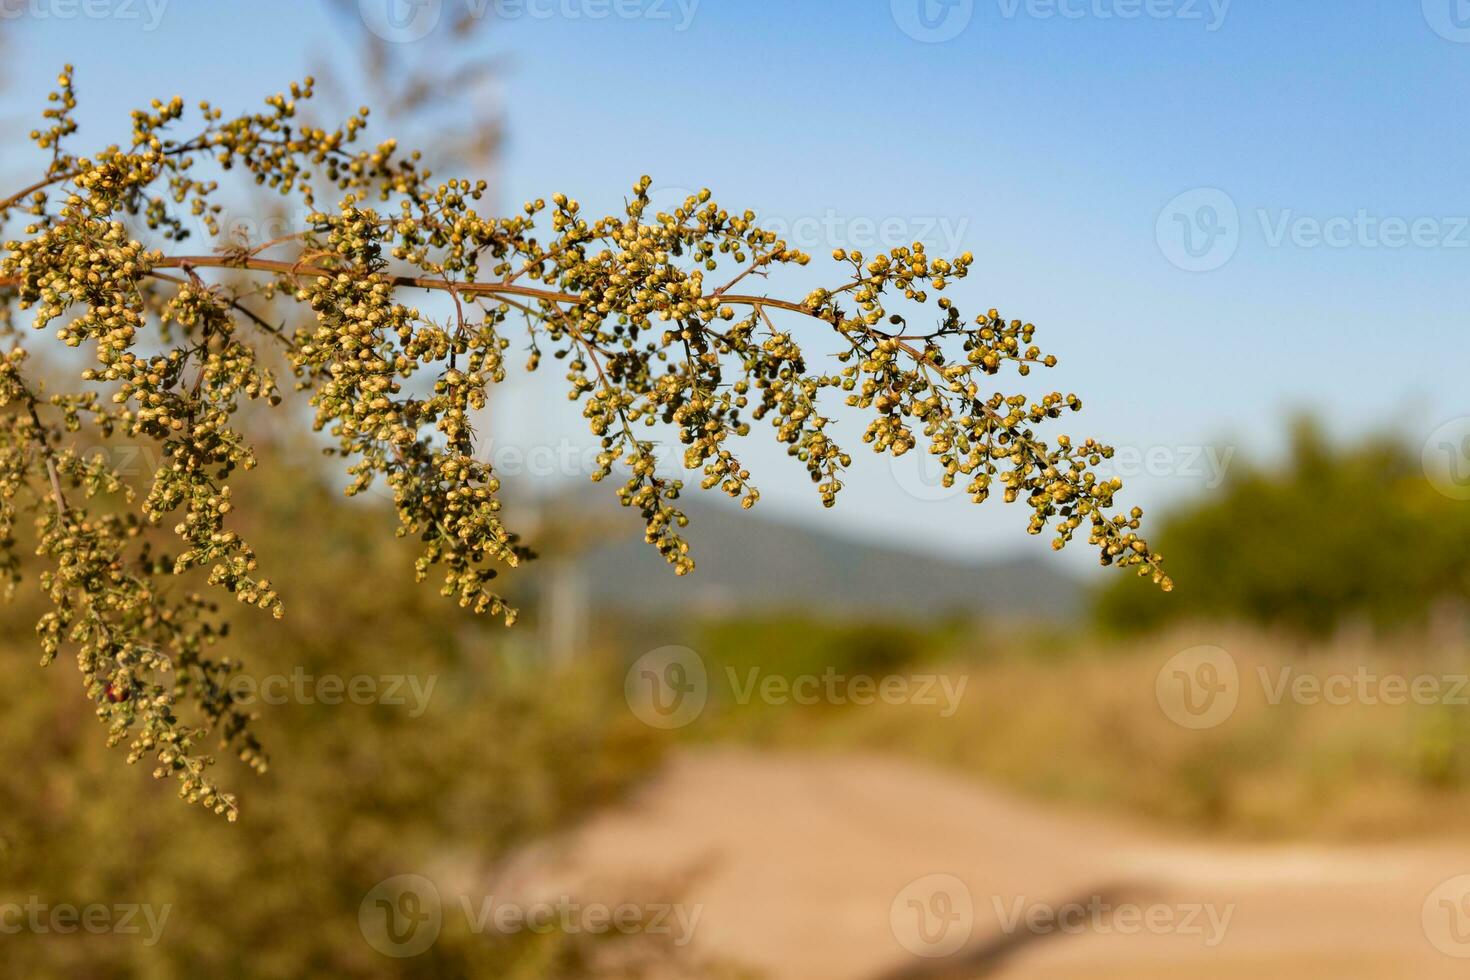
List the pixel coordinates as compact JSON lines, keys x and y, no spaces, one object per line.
{"x":1333,"y":536}
{"x":440,"y":89}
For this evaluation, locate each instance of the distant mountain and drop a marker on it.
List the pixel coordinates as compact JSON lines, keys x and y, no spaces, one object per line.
{"x":747,"y":561}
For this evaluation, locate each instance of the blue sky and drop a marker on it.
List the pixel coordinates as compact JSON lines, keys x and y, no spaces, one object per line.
{"x":1053,"y":140}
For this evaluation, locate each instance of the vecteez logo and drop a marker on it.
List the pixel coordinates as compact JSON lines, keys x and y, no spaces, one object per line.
{"x":1199,"y":688}
{"x":1450,"y":19}
{"x":401,"y":21}
{"x":933,"y":916}
{"x":1446,"y":458}
{"x":1446,"y":917}
{"x":933,"y":21}
{"x":401,"y":917}
{"x":1199,"y":231}
{"x":668,"y":687}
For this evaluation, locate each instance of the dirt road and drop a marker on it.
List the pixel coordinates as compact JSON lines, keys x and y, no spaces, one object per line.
{"x":843,"y":867}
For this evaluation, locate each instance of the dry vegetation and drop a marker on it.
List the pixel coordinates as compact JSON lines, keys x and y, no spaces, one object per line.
{"x":1079,"y":722}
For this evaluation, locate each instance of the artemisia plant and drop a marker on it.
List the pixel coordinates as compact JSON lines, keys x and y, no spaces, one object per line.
{"x":652,"y":314}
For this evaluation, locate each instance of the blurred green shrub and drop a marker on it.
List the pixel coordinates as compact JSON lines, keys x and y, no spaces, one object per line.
{"x":1332,"y":536}
{"x":505,"y":751}
{"x":794,"y":645}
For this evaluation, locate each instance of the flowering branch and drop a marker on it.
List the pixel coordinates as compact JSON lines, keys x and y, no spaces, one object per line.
{"x":622,"y":300}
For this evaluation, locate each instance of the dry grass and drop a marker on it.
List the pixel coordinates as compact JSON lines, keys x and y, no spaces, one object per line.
{"x":1083,"y":725}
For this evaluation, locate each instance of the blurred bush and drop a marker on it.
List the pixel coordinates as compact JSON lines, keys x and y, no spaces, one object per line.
{"x":1333,"y":537}
{"x":506,"y":751}
{"x":793,"y":645}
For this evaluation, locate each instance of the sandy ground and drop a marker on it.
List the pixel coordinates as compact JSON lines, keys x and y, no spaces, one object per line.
{"x":872,"y":868}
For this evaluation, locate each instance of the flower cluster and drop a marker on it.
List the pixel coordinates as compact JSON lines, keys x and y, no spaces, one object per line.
{"x":652,"y":315}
